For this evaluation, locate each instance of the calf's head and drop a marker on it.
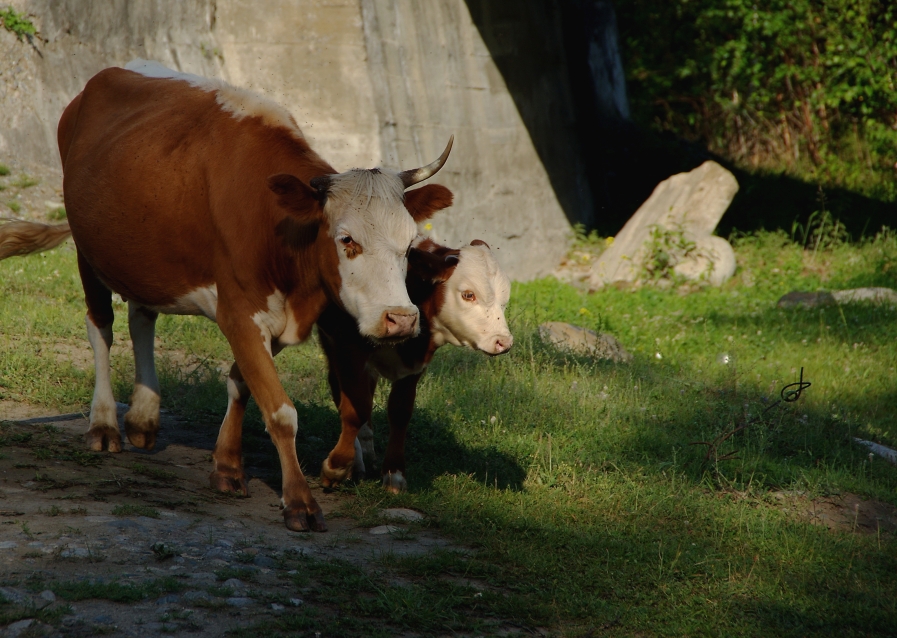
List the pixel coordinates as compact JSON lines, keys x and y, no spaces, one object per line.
{"x":471,"y":294}
{"x":371,"y":224}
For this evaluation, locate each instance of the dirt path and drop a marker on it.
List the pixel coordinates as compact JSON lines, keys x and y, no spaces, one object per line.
{"x":144,"y":528}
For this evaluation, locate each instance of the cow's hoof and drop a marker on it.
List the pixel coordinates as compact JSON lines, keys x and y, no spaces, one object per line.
{"x":228,"y":483}
{"x":102,"y":438}
{"x":331,"y":477}
{"x":142,"y":440}
{"x":141,"y":434}
{"x":299,"y":519}
{"x":394,"y":482}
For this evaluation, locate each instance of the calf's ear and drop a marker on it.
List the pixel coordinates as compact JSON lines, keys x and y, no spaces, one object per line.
{"x":426,"y":201}
{"x":295,"y":196}
{"x":430,"y":266}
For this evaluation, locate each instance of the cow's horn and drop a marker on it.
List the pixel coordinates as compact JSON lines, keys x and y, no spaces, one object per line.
{"x":417,"y":175}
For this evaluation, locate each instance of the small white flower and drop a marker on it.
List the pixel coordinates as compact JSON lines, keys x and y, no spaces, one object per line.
{"x":492,"y":420}
{"x":657,"y":355}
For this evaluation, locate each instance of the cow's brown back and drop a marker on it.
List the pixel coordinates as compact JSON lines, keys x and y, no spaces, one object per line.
{"x":163,"y":188}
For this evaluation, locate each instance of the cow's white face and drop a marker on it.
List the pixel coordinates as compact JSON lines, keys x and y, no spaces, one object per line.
{"x":372,"y":231}
{"x":473,"y":309}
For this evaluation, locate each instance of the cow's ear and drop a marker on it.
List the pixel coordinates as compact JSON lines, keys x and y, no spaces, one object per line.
{"x":295,"y":196}
{"x":426,"y":201}
{"x":431,"y":266}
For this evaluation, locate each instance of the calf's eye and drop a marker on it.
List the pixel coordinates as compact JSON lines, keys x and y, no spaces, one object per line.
{"x":468,"y":295}
{"x":346,"y":240}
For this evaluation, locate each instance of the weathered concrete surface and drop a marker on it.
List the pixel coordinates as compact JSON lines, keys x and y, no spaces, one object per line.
{"x":578,"y":340}
{"x":688,"y":203}
{"x":370,"y":82}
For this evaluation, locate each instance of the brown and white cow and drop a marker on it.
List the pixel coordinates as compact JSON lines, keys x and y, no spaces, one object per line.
{"x":188,"y":196}
{"x":462,"y":295}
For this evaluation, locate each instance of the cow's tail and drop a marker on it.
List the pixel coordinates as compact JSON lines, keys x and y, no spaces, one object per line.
{"x":19,"y":237}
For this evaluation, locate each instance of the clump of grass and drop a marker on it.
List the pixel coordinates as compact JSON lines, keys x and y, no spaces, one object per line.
{"x":14,"y":206}
{"x":17,"y":23}
{"x":25,"y":181}
{"x":135,"y":510}
{"x":4,"y":170}
{"x":57,"y":214}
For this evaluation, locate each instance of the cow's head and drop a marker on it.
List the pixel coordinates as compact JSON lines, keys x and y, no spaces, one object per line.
{"x":371,"y":223}
{"x":472,"y":292}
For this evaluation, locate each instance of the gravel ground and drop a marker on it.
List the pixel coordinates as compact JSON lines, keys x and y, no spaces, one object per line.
{"x":207,"y":563}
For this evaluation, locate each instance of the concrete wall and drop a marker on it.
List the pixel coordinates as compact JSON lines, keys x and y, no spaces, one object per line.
{"x":371,"y":82}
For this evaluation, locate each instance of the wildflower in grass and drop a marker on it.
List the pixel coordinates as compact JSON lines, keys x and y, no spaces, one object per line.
{"x":657,"y":355}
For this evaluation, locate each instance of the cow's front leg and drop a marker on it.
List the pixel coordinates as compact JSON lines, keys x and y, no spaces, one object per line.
{"x":142,"y":420}
{"x":398,"y":409}
{"x":301,"y":511}
{"x":228,"y":474}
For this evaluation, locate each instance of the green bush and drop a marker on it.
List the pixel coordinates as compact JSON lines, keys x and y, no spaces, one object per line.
{"x":802,"y":85}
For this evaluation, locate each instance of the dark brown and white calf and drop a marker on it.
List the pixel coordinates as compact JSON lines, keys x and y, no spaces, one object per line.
{"x":188,"y":196}
{"x":462,"y":295}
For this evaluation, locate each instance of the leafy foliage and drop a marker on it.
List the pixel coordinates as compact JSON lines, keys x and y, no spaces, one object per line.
{"x":805,"y":85}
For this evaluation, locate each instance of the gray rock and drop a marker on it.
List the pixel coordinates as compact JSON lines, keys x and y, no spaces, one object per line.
{"x":578,"y":340}
{"x":797,"y":298}
{"x":17,"y":628}
{"x":8,"y":545}
{"x":168,"y":599}
{"x":240,"y":601}
{"x":871,"y":295}
{"x":277,"y":607}
{"x":14,"y":595}
{"x":74,"y":552}
{"x":380,"y":530}
{"x":233,"y":583}
{"x":402,"y":514}
{"x":295,"y":602}
{"x":48,"y":596}
{"x":197,"y":596}
{"x":687,"y":206}
{"x":265,"y":561}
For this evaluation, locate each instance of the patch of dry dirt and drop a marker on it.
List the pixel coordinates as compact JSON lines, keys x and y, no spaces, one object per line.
{"x":69,"y":515}
{"x":842,"y":512}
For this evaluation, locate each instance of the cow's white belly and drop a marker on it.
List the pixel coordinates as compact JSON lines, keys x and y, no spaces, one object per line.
{"x":387,"y":363}
{"x":200,"y":301}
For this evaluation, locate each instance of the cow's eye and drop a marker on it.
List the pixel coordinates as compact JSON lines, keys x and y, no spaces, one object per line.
{"x":468,"y":295}
{"x":346,"y":239}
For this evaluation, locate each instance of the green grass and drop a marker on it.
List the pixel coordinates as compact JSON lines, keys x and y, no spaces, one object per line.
{"x":135,"y":510}
{"x":581,"y":487}
{"x":73,"y":591}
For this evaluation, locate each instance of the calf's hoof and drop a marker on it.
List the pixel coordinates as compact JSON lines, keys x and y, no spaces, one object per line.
{"x":395,"y":482}
{"x":230,"y":483}
{"x":331,"y":477}
{"x":102,"y":438}
{"x":301,"y":519}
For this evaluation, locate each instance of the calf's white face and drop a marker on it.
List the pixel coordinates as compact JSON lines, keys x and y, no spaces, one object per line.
{"x":473,"y":309}
{"x":372,"y":231}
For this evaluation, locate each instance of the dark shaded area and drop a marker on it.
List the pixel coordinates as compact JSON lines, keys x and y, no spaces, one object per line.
{"x":526,"y":42}
{"x":554,"y":60}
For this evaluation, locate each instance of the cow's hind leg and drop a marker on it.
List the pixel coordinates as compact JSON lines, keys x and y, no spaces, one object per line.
{"x":142,"y":420}
{"x":228,"y":475}
{"x":103,"y":433}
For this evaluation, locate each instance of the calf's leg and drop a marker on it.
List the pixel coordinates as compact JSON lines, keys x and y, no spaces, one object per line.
{"x":399,"y":409}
